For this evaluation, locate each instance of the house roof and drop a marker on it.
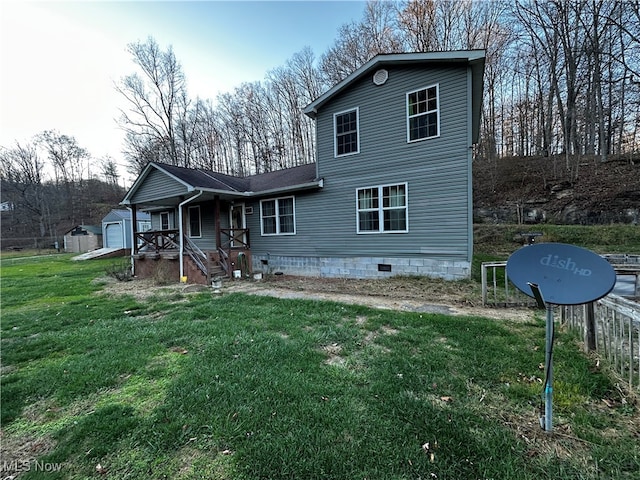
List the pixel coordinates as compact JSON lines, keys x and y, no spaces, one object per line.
{"x":95,"y":229}
{"x":473,"y":58}
{"x":290,"y":179}
{"x":124,"y":214}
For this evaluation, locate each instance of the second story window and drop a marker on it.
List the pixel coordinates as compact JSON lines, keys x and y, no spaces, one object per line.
{"x":423,"y":114}
{"x":346,"y":125}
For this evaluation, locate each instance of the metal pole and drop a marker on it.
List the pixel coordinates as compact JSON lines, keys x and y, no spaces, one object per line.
{"x":548,"y":388}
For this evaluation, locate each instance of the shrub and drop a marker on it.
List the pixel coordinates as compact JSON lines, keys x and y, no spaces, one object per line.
{"x":120,"y":270}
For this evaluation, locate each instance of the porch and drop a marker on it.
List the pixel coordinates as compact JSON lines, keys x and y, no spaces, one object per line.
{"x":158,"y":253}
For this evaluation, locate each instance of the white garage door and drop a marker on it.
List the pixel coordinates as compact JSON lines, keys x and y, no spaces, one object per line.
{"x":114,"y":236}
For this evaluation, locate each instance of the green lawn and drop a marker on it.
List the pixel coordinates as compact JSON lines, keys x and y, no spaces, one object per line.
{"x":191,"y":386}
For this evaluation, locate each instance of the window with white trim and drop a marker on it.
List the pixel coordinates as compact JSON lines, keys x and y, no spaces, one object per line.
{"x":195,"y":222}
{"x":346,"y":137}
{"x":382,"y":209}
{"x":277,"y":216}
{"x":164,"y":220}
{"x":423,"y":114}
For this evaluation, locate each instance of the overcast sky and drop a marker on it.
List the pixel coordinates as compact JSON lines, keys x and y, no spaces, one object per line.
{"x":59,"y":60}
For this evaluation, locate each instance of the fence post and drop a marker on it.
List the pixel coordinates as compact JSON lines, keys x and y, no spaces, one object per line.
{"x":484,"y":284}
{"x":590,"y":327}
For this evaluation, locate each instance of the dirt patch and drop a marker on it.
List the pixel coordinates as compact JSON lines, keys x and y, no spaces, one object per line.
{"x":142,"y":289}
{"x":20,"y":453}
{"x":409,"y":294}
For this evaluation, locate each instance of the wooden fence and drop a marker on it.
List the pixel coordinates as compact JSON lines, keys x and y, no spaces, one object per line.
{"x":611,"y":326}
{"x":498,"y":290}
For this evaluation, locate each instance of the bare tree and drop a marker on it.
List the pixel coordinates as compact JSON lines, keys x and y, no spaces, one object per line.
{"x":417,"y":21}
{"x":109,"y":170}
{"x":66,"y":156}
{"x":68,"y":160}
{"x":22,"y":174}
{"x":156,"y":99}
{"x":358,"y":42}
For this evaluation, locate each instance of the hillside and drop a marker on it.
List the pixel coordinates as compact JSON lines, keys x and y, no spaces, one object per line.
{"x":543,"y":189}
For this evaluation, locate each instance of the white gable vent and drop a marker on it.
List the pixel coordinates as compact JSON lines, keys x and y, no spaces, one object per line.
{"x":380,"y":77}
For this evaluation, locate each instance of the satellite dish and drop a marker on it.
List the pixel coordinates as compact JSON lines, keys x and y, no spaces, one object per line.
{"x":564,"y":274}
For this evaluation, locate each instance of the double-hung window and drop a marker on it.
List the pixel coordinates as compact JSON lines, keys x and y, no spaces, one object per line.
{"x":346,"y":127}
{"x":277,"y":216}
{"x":382,"y":209}
{"x":423,"y":114}
{"x":195,"y":221}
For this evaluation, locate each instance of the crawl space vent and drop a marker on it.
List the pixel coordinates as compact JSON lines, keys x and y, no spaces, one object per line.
{"x":380,"y":77}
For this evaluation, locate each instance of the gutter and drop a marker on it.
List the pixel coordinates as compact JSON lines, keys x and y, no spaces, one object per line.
{"x":180,"y":228}
{"x":293,"y":188}
{"x":251,"y":193}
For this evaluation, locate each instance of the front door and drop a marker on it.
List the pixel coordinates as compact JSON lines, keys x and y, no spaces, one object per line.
{"x":238,"y":224}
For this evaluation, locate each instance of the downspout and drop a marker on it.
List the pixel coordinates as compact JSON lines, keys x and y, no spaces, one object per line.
{"x":188,"y":200}
{"x":133,"y":262}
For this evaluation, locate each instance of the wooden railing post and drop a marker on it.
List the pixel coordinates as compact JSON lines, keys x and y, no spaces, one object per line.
{"x":217,"y":217}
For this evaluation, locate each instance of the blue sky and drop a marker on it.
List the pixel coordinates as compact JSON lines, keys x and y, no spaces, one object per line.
{"x":59,"y":60}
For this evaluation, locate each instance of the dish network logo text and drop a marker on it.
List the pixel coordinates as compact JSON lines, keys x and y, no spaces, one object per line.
{"x":554,"y":261}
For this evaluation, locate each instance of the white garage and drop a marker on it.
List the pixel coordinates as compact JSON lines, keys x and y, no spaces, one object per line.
{"x":116,"y":228}
{"x":113,"y":237}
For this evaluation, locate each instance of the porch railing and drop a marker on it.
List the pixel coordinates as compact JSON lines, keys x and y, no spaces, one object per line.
{"x":235,"y":238}
{"x":169,"y":240}
{"x":198,"y":256}
{"x":224,"y":261}
{"x":158,"y":240}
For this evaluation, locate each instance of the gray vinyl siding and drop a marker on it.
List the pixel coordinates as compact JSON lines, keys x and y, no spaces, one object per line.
{"x":156,"y":219}
{"x":303,"y":243}
{"x":158,"y":186}
{"x":208,"y":225}
{"x":436,"y":170}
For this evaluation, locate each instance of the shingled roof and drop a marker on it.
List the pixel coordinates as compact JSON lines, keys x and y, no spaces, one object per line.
{"x":204,"y":179}
{"x":196,"y":179}
{"x":264,"y":182}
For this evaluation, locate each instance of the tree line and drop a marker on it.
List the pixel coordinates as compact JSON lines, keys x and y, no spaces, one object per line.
{"x":39,"y":208}
{"x":562,"y":78}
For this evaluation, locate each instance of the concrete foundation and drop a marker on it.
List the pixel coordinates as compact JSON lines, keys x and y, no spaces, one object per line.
{"x":362,"y":267}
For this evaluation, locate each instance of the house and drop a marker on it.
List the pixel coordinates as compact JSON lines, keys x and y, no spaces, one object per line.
{"x":117,"y":231}
{"x":390,"y":192}
{"x":83,"y":238}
